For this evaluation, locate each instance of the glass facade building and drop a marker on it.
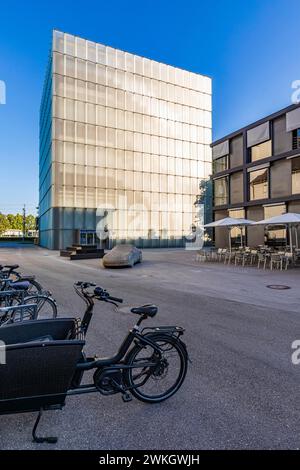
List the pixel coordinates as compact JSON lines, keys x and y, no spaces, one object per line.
{"x":124,"y":140}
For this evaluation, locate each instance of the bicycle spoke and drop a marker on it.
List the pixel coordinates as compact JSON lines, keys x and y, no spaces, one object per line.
{"x":158,"y":380}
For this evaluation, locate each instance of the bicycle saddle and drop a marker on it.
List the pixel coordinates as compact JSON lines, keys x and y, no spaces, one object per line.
{"x":149,"y":310}
{"x":11,"y":266}
{"x":20,"y":285}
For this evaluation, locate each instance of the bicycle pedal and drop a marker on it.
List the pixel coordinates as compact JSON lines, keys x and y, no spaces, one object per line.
{"x":126,"y":397}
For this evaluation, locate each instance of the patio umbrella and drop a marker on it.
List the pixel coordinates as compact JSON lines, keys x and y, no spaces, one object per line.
{"x":290,"y":219}
{"x":229,"y":222}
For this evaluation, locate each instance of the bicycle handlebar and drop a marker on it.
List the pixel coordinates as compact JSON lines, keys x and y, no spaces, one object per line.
{"x":115,"y":299}
{"x":81,"y":288}
{"x":102,"y":294}
{"x":99,"y":292}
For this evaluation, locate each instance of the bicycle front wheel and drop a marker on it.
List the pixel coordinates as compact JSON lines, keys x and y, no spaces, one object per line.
{"x":46,"y":306}
{"x":165,"y":373}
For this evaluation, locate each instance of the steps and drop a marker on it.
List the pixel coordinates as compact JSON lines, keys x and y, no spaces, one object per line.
{"x":76,"y":252}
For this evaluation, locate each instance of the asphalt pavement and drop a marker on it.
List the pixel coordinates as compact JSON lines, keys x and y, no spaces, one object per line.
{"x":241,"y":390}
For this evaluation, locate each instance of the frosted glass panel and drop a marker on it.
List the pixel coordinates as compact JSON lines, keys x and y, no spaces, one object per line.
{"x":91,"y":51}
{"x":81,"y":48}
{"x":91,"y":72}
{"x":70,"y":88}
{"x":70,"y":66}
{"x":58,"y":41}
{"x":80,"y":111}
{"x":81,"y":69}
{"x":58,"y":63}
{"x":69,"y":44}
{"x":69,"y":109}
{"x":81,"y":90}
{"x":101,"y":54}
{"x":110,"y":57}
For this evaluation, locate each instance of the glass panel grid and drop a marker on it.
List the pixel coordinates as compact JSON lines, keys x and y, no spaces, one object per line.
{"x":129,"y":129}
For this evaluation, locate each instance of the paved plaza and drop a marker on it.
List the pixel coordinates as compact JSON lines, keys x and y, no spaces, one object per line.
{"x":241,"y":391}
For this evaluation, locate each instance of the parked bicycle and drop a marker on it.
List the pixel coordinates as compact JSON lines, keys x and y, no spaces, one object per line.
{"x":17,"y":313}
{"x":9,"y":271}
{"x":18,"y":293}
{"x":151,"y":363}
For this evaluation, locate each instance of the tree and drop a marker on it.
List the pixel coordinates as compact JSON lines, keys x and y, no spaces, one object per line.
{"x":11,"y":221}
{"x":18,"y":222}
{"x":203,"y":204}
{"x":15,"y":222}
{"x":30,"y":222}
{"x":4,"y":223}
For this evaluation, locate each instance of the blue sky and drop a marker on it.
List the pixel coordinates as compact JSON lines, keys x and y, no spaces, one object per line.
{"x":249,"y":47}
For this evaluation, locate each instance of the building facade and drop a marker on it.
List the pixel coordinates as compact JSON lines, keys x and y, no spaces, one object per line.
{"x":256,"y":175}
{"x":124,"y":144}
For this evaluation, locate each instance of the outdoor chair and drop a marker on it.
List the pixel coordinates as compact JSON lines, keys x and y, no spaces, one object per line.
{"x":221,"y":254}
{"x":276,"y":260}
{"x":201,"y":255}
{"x":253,"y":256}
{"x":239,"y":258}
{"x":247,"y":257}
{"x":213,"y":255}
{"x":296,"y":255}
{"x":206,"y":255}
{"x":261,"y":258}
{"x":288,"y":259}
{"x":229,"y":256}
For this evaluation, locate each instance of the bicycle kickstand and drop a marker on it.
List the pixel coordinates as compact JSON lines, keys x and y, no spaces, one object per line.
{"x":41,"y":440}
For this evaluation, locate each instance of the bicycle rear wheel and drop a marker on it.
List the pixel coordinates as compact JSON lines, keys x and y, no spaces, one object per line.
{"x":46,"y":306}
{"x":165,"y":375}
{"x":34,"y":286}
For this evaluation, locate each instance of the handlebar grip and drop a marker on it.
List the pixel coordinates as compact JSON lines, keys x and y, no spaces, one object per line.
{"x":115,"y":299}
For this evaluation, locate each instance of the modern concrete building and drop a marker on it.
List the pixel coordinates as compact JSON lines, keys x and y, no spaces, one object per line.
{"x":256,"y":174}
{"x":124,"y":143}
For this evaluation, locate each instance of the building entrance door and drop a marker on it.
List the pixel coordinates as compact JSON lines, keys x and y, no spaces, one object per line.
{"x":88,"y":237}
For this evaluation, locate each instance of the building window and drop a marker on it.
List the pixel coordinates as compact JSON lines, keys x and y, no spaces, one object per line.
{"x":236,"y":188}
{"x":296,"y":175}
{"x":220,"y":164}
{"x":221,"y":191}
{"x":260,"y":151}
{"x":236,"y":157}
{"x":258,"y":184}
{"x":275,"y":235}
{"x":237,"y":233}
{"x":296,"y":139}
{"x":273,"y":210}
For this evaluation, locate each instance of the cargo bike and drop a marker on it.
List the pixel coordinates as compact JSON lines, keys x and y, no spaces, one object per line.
{"x":45,"y":361}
